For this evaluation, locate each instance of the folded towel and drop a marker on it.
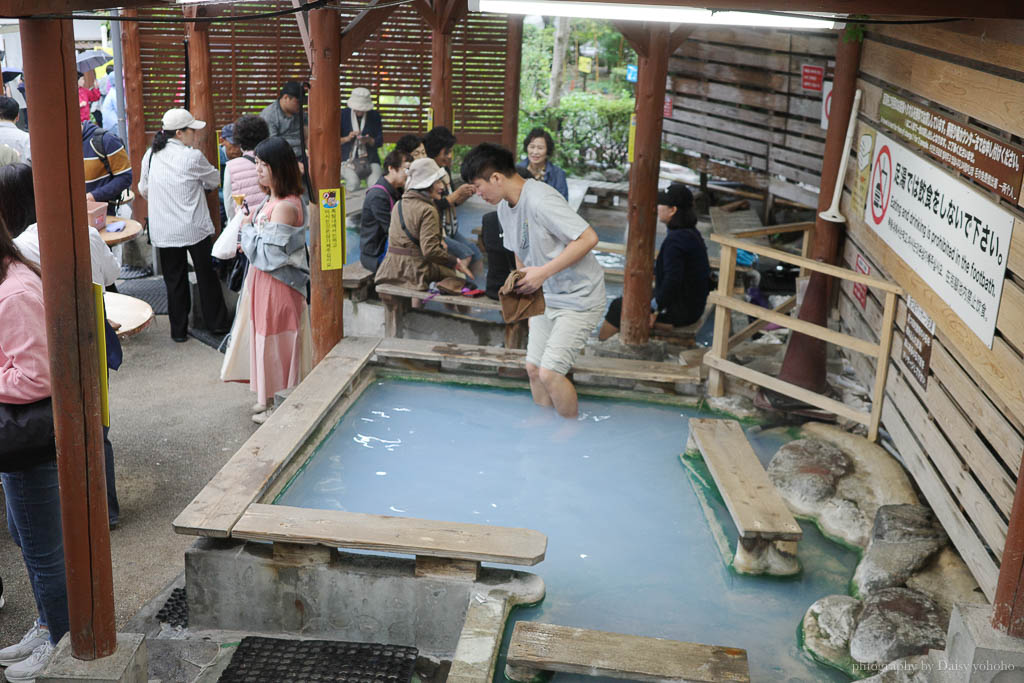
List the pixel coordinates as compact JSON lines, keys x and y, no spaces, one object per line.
{"x":516,"y":306}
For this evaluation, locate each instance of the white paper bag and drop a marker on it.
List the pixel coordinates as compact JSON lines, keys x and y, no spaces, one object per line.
{"x":235,"y":367}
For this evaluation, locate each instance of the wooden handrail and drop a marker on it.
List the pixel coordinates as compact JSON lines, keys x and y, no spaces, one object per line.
{"x":809,"y":264}
{"x":773,"y":230}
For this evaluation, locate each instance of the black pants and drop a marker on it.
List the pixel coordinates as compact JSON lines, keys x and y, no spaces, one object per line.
{"x":174,"y":263}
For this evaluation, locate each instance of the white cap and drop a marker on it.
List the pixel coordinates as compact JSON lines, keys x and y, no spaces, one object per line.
{"x":176,"y":119}
{"x":423,"y":173}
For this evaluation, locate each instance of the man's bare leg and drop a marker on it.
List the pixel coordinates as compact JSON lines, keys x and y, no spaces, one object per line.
{"x":560,"y":391}
{"x":537,"y":388}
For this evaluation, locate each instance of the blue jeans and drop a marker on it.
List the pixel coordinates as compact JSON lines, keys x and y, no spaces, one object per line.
{"x":33,"y":518}
{"x":460,"y":248}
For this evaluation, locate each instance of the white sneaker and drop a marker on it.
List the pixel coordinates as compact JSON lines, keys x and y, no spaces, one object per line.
{"x":26,"y":671}
{"x":35,"y":637}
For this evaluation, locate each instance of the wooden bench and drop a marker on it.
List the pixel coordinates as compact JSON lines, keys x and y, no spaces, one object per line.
{"x":450,"y":549}
{"x":767,"y":530}
{"x":357,"y":281}
{"x":537,"y":648}
{"x":398,"y":301}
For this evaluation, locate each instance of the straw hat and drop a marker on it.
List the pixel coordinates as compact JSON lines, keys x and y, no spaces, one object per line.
{"x":360,"y":100}
{"x":423,"y":173}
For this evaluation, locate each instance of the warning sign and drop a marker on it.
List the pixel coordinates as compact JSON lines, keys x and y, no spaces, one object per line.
{"x":860,"y":290}
{"x":812,"y":77}
{"x":917,"y":342}
{"x":953,"y":236}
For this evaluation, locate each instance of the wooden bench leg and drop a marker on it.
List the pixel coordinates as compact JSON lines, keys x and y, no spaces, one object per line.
{"x":763,"y":556}
{"x":444,"y":568}
{"x":515,"y":334}
{"x":394,"y":310}
{"x":525,"y":674}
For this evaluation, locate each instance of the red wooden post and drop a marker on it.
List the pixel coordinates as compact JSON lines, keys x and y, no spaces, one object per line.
{"x":1008,"y":607}
{"x":804,"y":362}
{"x":513,"y":69}
{"x":59,"y":176}
{"x":131,"y":52}
{"x":441,"y":77}
{"x":201,"y":93}
{"x":643,"y":187}
{"x":326,"y":290}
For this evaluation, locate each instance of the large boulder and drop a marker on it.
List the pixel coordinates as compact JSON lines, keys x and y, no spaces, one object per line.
{"x":903,"y":539}
{"x":947,"y":580}
{"x":828,"y":626}
{"x":895,"y":623}
{"x":806,"y":472}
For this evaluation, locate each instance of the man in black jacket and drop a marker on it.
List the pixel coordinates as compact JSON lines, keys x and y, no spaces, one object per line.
{"x":682,"y":273}
{"x":376,"y":216}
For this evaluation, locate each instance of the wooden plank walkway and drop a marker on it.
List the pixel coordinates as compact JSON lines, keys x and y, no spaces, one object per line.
{"x":381,"y":533}
{"x":545,"y":647}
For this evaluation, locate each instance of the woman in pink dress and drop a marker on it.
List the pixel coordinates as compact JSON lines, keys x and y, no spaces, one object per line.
{"x":274,"y":240}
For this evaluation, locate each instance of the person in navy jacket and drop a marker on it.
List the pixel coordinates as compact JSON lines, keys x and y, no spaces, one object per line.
{"x":362,"y":135}
{"x":539,"y":147}
{"x":682,"y":273}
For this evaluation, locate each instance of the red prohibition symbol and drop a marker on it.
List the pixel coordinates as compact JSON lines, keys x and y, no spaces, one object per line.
{"x":881,"y":184}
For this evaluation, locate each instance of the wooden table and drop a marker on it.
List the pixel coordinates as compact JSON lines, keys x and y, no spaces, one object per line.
{"x":133,"y":315}
{"x":131,"y":230}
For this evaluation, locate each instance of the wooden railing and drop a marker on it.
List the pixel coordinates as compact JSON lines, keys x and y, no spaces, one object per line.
{"x":717,"y":358}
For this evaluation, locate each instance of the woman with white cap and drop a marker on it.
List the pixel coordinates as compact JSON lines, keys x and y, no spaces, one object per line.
{"x":361,"y":136}
{"x":416,"y":253}
{"x":175,"y":178}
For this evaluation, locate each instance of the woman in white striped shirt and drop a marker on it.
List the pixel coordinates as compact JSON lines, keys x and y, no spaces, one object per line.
{"x":175,"y":177}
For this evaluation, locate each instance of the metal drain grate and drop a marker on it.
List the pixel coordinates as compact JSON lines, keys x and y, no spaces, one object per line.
{"x":175,"y":610}
{"x":258,"y":660}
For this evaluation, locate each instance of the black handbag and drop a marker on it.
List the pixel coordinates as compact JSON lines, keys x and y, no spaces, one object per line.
{"x":26,"y":434}
{"x":237,"y":275}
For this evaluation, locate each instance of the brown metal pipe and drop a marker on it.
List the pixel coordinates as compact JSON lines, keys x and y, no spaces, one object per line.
{"x":201,"y":94}
{"x":326,"y":287}
{"x":643,"y":188}
{"x":75,"y":366}
{"x":804,"y":362}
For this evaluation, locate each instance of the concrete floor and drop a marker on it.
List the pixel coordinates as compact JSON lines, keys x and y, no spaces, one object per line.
{"x":174,"y":424}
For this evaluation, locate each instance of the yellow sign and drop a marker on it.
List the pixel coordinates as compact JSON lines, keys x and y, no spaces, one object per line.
{"x":865,"y":144}
{"x":332,"y":229}
{"x":632,"y":137}
{"x":101,"y":343}
{"x":584,"y":64}
{"x":430,"y":118}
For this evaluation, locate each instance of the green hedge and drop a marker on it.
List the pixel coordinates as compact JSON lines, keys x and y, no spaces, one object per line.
{"x":590,"y":130}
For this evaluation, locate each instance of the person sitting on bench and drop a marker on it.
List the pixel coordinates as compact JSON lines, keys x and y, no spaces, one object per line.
{"x":416,"y":253}
{"x":682,"y":273}
{"x":377,"y":206}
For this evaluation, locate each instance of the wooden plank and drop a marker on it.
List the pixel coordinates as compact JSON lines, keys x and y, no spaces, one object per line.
{"x":691,"y":144}
{"x":755,"y":505}
{"x":723,"y":323}
{"x":481,"y":302}
{"x":834,"y":271}
{"x":966,"y":541}
{"x":791,"y":390}
{"x":731,"y":94}
{"x":800,"y":196}
{"x":769,"y":61}
{"x":546,"y":647}
{"x":808,"y":328}
{"x":1010,"y":320}
{"x":380,"y":533}
{"x":983,"y":48}
{"x":784,"y":228}
{"x":882,"y":367}
{"x":214,"y":511}
{"x":992,"y":99}
{"x":354,"y":275}
{"x":756,"y":326}
{"x":682,"y":116}
{"x":728,"y":73}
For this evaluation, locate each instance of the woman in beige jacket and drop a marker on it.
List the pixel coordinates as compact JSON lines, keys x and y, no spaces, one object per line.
{"x":416,"y":253}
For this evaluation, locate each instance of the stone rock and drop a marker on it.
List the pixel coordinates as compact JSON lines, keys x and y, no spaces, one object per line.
{"x":914,"y":669}
{"x":614,"y":175}
{"x":947,"y":580}
{"x":903,"y":539}
{"x":876,"y":479}
{"x":594,"y":175}
{"x":806,"y":471}
{"x":828,"y":626}
{"x":895,"y":623}
{"x":740,"y":407}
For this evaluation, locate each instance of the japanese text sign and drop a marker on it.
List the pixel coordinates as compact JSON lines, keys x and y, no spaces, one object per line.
{"x":952,"y":236}
{"x":332,"y":229}
{"x":860,"y":290}
{"x":812,"y":77}
{"x":917,"y":342}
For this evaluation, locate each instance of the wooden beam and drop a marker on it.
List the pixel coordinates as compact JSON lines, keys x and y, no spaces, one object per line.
{"x":636,"y":33}
{"x":454,"y":12}
{"x":75,"y":366}
{"x":131,"y":52}
{"x":643,"y":188}
{"x":441,"y":71}
{"x":28,"y":8}
{"x":426,"y":11}
{"x":201,"y":95}
{"x":679,"y":35}
{"x":993,"y":9}
{"x":513,"y":70}
{"x":300,"y":19}
{"x":326,"y":287}
{"x":362,"y":26}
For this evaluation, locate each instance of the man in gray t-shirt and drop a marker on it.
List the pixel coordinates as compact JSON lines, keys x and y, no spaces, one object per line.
{"x":282,"y":116}
{"x":552,"y":244}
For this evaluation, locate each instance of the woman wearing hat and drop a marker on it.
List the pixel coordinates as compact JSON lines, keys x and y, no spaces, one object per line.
{"x":175,"y":178}
{"x":361,"y":136}
{"x":682,"y":273}
{"x":416,"y":253}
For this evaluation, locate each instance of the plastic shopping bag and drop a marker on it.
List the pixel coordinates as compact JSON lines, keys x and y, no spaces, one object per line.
{"x":236,"y":358}
{"x":226,"y":246}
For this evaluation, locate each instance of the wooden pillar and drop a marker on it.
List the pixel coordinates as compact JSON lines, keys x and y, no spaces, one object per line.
{"x":513,"y":69}
{"x":59,"y":176}
{"x":201,"y":93}
{"x":1008,"y":606}
{"x":326,"y":291}
{"x":131,"y":52}
{"x":804,"y":362}
{"x":441,"y":76}
{"x":643,"y":187}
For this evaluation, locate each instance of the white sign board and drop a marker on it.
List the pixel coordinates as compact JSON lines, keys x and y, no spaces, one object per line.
{"x":826,"y":103}
{"x":954,"y":237}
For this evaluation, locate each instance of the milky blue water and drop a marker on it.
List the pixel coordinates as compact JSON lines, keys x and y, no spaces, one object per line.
{"x":629,"y":547}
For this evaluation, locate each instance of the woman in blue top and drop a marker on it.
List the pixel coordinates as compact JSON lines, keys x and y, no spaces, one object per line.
{"x":539,"y":148}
